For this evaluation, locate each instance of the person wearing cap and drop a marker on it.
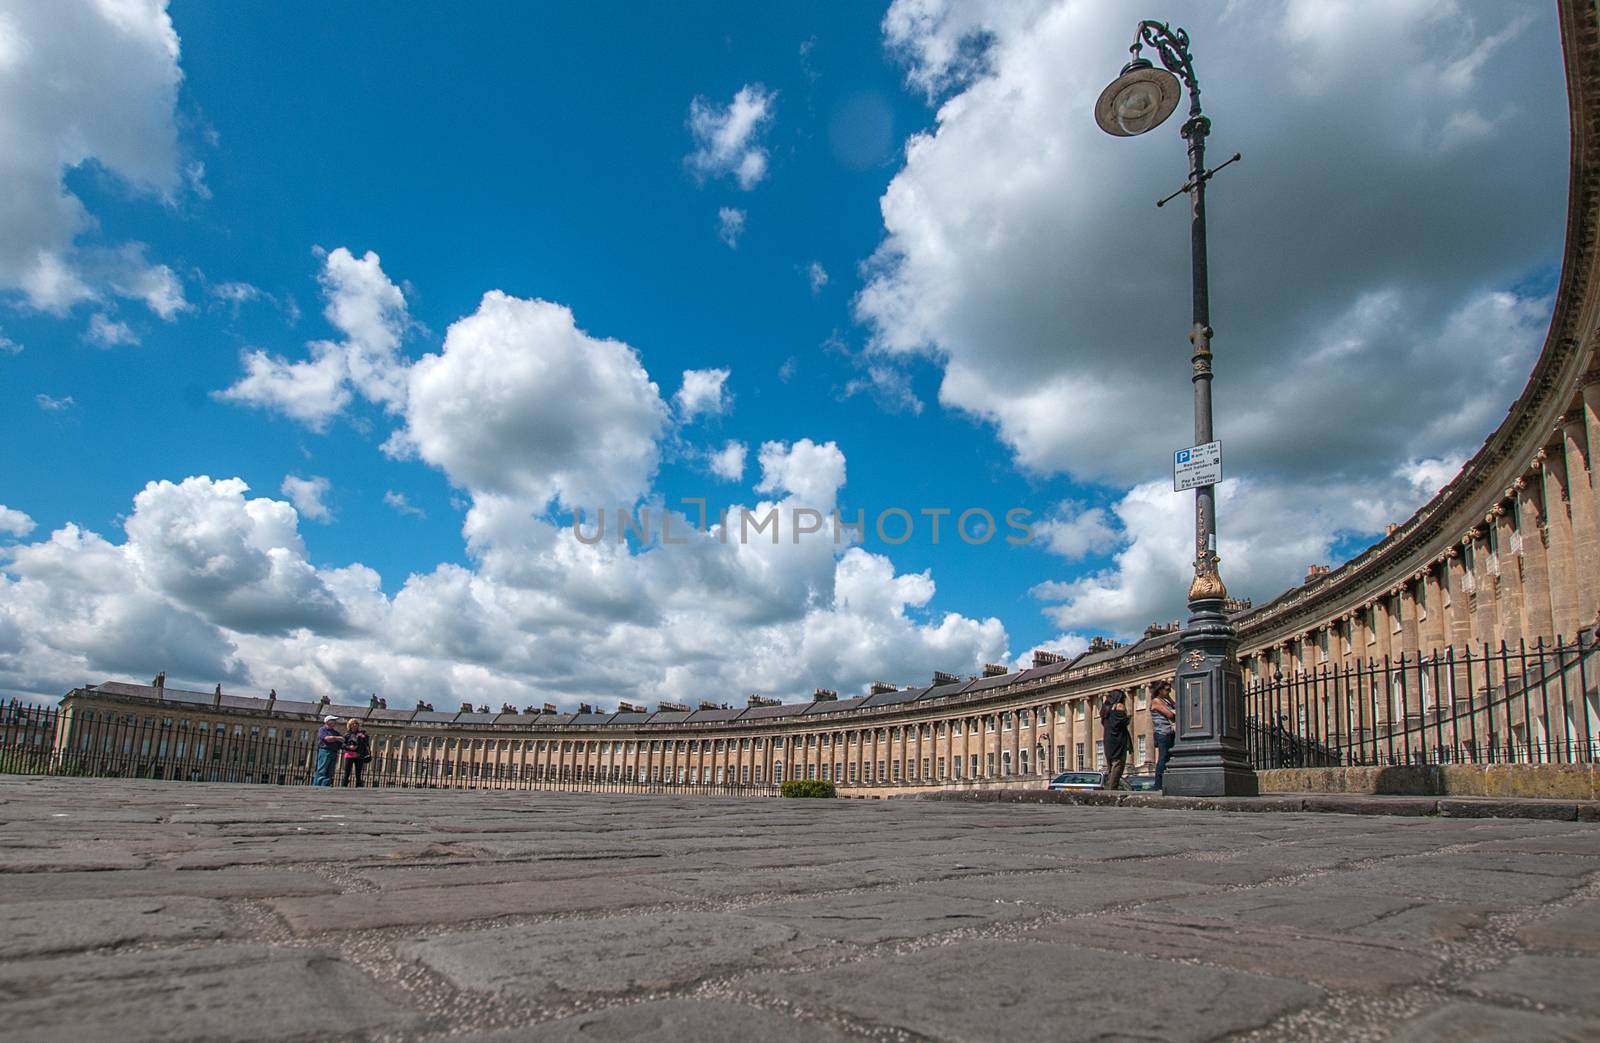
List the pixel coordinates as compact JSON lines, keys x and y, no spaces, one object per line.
{"x":329,"y":743}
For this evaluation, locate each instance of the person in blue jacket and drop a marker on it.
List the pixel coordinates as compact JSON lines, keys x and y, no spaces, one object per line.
{"x":329,"y":744}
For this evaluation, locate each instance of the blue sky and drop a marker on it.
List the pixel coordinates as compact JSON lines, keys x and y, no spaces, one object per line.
{"x":940,"y":279}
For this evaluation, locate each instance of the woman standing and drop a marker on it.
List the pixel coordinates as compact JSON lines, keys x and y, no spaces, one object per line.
{"x":357,"y":751}
{"x":1114,"y":722}
{"x":1164,"y":722}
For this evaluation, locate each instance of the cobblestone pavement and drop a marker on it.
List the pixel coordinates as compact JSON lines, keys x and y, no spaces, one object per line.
{"x":147,"y":910}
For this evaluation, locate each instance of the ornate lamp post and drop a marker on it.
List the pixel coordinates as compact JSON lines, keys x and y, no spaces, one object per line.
{"x":1211,"y":757}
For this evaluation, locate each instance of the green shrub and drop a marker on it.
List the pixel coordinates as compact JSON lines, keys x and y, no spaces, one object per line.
{"x":807,"y":788}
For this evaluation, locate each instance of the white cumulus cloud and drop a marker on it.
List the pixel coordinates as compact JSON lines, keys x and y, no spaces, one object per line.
{"x":728,"y":138}
{"x":80,"y":82}
{"x":521,"y":402}
{"x":306,"y":494}
{"x":703,"y":393}
{"x":369,"y":309}
{"x":728,"y":462}
{"x":14,"y":522}
{"x":107,"y":332}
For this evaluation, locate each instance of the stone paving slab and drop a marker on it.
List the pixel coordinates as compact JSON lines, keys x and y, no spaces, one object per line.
{"x":1036,"y":990}
{"x":704,"y":1021}
{"x":240,"y":883}
{"x":41,"y":928}
{"x":1574,"y":929}
{"x":243,"y":993}
{"x":1480,"y":1023}
{"x":134,"y":910}
{"x":611,"y":956}
{"x":888,"y":916}
{"x":441,"y":905}
{"x":1333,"y":960}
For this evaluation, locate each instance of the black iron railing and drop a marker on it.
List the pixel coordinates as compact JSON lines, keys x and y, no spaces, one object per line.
{"x":46,"y":740}
{"x":1515,"y":704}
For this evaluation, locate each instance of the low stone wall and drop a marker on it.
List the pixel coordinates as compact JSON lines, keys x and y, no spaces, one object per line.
{"x":1555,"y":781}
{"x":1548,"y":781}
{"x":1331,"y":803}
{"x":1008,"y":784}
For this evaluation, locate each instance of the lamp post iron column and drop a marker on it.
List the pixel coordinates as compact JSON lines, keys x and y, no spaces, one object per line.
{"x":1211,"y":757}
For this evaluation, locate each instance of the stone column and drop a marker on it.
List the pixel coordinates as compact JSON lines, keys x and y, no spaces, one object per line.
{"x":1585,"y":521}
{"x":1510,"y":603}
{"x":1533,"y":538}
{"x":1432,"y":631}
{"x":1563,"y":561}
{"x":1591,"y":436}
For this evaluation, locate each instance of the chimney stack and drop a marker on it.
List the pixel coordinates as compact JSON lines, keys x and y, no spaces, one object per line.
{"x":880,"y":687}
{"x":940,"y":677}
{"x":994,"y":670}
{"x":672,"y":707}
{"x":585,"y":708}
{"x":1314,"y":572}
{"x":1047,"y":659}
{"x":549,"y":708}
{"x":762,"y":700}
{"x":825,"y":695}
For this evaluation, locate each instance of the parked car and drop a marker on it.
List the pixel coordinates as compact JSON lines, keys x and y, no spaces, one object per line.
{"x":1078,"y":780}
{"x":1140,"y":783}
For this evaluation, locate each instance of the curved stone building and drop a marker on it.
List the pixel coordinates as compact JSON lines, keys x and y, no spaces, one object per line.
{"x":1499,"y":565}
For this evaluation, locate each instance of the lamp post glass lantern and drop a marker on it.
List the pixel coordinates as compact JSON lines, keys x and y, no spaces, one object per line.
{"x":1211,"y":757}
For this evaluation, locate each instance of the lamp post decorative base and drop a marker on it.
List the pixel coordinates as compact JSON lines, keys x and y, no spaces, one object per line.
{"x":1211,"y":757}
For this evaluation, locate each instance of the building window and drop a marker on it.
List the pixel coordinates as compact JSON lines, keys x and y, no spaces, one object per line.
{"x":990,"y":764}
{"x":1078,"y":752}
{"x":1143,"y":749}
